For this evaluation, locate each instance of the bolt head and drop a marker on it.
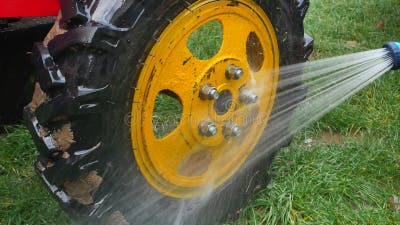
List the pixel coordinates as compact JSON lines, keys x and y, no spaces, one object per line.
{"x":234,"y":72}
{"x":208,"y":92}
{"x":207,"y":129}
{"x":236,"y":131}
{"x":238,"y":73}
{"x":213,"y":94}
{"x":231,"y":129}
{"x":252,"y":98}
{"x":247,"y":96}
{"x":212,"y":130}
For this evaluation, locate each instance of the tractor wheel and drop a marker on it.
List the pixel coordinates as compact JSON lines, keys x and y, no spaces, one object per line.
{"x":149,"y":112}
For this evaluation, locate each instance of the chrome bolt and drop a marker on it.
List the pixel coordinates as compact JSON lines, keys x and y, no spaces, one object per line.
{"x":234,"y":72}
{"x":236,"y":131}
{"x":231,"y":129}
{"x":207,"y":129}
{"x":247,"y":96}
{"x":208,"y":92}
{"x":213,"y":94}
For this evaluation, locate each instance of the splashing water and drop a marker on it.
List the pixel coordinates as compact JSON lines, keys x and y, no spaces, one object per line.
{"x":323,"y":85}
{"x":331,"y":81}
{"x":328,"y":83}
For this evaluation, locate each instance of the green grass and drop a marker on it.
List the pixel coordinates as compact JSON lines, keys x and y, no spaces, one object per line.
{"x":206,"y":41}
{"x":167,"y":114}
{"x":346,"y":181}
{"x":23,"y":198}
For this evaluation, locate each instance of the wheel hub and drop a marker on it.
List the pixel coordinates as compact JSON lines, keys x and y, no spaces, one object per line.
{"x":226,"y":98}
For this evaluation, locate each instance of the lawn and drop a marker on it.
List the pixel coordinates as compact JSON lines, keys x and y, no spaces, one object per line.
{"x":344,"y":169}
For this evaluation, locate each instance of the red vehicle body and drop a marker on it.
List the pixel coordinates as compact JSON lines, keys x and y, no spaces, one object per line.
{"x":30,"y":8}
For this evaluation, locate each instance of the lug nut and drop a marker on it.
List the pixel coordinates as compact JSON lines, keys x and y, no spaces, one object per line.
{"x":231,"y":129}
{"x":247,"y":96}
{"x":208,"y":92}
{"x":207,"y":129}
{"x":233,"y":72}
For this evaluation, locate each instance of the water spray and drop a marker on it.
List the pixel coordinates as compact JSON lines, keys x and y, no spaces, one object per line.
{"x":394,"y":52}
{"x":332,"y":81}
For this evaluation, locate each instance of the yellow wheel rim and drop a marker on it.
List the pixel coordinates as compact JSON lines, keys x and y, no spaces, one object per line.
{"x":186,"y":162}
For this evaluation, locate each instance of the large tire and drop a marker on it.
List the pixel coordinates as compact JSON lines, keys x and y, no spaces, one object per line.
{"x":81,"y":128}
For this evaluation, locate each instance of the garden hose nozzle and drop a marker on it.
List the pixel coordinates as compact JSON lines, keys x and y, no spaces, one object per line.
{"x":394,"y":52}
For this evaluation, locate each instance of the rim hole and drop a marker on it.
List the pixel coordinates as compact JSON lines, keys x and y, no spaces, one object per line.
{"x":206,"y":41}
{"x":167,"y":113}
{"x":223,"y":103}
{"x":254,"y":52}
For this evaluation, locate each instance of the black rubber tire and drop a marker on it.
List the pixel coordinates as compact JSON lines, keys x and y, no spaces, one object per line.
{"x":123,"y":190}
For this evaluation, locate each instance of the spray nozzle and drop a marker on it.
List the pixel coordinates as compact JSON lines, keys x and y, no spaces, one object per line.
{"x":394,"y":50}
